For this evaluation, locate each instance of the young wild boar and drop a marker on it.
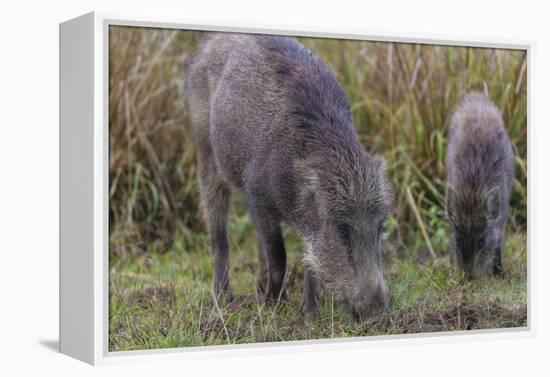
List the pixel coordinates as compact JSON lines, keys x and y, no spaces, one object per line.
{"x":480,"y":171}
{"x":271,"y":120}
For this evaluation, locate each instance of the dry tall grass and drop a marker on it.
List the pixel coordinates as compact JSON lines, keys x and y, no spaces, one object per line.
{"x":153,"y":191}
{"x":401,"y":96}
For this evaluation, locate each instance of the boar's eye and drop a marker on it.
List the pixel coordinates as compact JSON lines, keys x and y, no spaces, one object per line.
{"x":344,"y":233}
{"x":481,"y":243}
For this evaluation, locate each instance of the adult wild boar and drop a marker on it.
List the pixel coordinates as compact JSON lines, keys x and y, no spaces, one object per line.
{"x":271,"y":120}
{"x":480,"y":172}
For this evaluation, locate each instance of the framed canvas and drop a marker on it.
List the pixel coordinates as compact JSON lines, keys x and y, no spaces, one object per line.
{"x":247,"y":189}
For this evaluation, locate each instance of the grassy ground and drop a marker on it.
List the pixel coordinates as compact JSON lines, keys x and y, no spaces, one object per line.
{"x":401,"y":97}
{"x":163,"y":298}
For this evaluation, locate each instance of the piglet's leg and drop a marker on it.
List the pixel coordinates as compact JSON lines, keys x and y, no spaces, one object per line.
{"x":497,"y":266}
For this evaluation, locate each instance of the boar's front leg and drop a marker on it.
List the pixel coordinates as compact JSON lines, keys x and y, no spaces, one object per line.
{"x":310,"y":299}
{"x":215,"y":200}
{"x":272,"y":253}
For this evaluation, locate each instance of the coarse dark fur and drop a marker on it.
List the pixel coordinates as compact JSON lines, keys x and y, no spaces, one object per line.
{"x":480,"y":173}
{"x":271,"y":120}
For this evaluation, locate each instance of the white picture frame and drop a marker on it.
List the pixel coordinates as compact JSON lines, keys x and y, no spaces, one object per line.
{"x":84,"y":166}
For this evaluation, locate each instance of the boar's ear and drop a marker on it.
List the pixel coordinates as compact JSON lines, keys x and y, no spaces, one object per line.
{"x":492,"y":203}
{"x":386,"y":187}
{"x":307,"y":174}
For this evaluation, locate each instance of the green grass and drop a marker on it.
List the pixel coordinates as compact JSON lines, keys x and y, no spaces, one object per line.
{"x":401,"y":96}
{"x":164,"y":298}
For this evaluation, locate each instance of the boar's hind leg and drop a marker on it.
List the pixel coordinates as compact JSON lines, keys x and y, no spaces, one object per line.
{"x":215,"y":199}
{"x":272,"y":255}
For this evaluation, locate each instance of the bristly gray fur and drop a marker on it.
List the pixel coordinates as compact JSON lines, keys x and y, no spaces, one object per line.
{"x":480,"y":173}
{"x":271,"y":121}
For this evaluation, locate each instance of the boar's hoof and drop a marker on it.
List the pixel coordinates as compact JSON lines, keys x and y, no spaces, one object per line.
{"x":223,"y":298}
{"x":309,"y":311}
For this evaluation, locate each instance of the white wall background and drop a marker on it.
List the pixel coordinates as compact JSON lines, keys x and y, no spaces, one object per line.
{"x":29,"y":183}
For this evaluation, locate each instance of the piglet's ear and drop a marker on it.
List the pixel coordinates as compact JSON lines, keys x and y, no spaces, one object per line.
{"x":308,"y":175}
{"x":492,"y":203}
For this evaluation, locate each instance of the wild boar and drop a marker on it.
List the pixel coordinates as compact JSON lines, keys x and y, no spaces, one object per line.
{"x":480,"y":173}
{"x":272,"y":122}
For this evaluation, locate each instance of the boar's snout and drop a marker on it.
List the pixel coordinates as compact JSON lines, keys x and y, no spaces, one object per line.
{"x":373,"y":302}
{"x":480,"y":263}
